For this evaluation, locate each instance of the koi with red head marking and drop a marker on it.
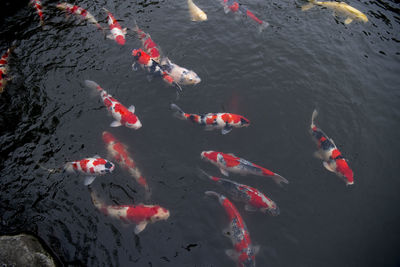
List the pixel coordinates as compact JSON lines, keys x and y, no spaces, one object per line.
{"x":327,"y":151}
{"x":230,"y":163}
{"x":37,"y":4}
{"x":91,"y":166}
{"x":83,"y":13}
{"x":149,"y":46}
{"x":244,"y":252}
{"x":121,"y":114}
{"x":252,"y":197}
{"x":144,"y":60}
{"x":120,"y":153}
{"x":117,"y":33}
{"x":224,"y":121}
{"x":4,"y":70}
{"x":235,"y":7}
{"x":140,"y":214}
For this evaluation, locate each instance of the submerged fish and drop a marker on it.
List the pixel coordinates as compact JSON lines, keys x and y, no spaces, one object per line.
{"x":327,"y":151}
{"x":121,"y":114}
{"x":92,"y":166}
{"x":140,"y":214}
{"x":244,"y":252}
{"x":339,"y":8}
{"x":230,"y":163}
{"x":117,"y":33}
{"x":254,"y":199}
{"x":74,"y":9}
{"x":224,"y":121}
{"x":4,"y":78}
{"x":37,"y":4}
{"x":236,"y":8}
{"x":195,"y":12}
{"x":120,"y":153}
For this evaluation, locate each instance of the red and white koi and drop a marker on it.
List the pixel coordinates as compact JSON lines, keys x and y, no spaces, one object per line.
{"x":141,"y":58}
{"x":149,"y":46}
{"x":244,"y":252}
{"x":252,"y":197}
{"x":236,"y":8}
{"x":140,"y":214}
{"x":4,"y":70}
{"x":120,"y":153}
{"x":92,"y":166}
{"x":224,"y":121}
{"x":77,"y":10}
{"x":333,"y":159}
{"x":121,"y":114}
{"x":37,"y":4}
{"x":234,"y":164}
{"x":117,"y":33}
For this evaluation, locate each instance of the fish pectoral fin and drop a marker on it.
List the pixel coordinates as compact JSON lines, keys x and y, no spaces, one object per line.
{"x":115,"y":124}
{"x":110,"y":36}
{"x":226,"y":129}
{"x":318,"y":154}
{"x":140,"y":227}
{"x":226,"y":9}
{"x":256,"y":249}
{"x":231,"y":253}
{"x":124,"y":30}
{"x":348,"y":21}
{"x":135,"y":66}
{"x":89,"y":180}
{"x":224,"y":172}
{"x":131,"y":108}
{"x":249,"y":208}
{"x":328,"y":166}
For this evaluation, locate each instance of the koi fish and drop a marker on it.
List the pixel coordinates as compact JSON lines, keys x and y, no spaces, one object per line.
{"x":121,"y":114}
{"x":92,"y":166}
{"x":140,"y":214}
{"x":339,"y":8}
{"x":4,"y":70}
{"x":74,"y":9}
{"x":180,"y":75}
{"x":231,"y":163}
{"x":244,"y":252}
{"x":37,"y":4}
{"x":195,"y":12}
{"x":117,"y":33}
{"x":224,"y":121}
{"x":144,"y":60}
{"x":236,"y":8}
{"x":254,"y":199}
{"x":327,"y":151}
{"x":149,"y":46}
{"x":120,"y":153}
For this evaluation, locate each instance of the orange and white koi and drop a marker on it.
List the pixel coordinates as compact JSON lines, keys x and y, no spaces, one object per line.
{"x":4,"y":70}
{"x":244,"y":252}
{"x":236,"y":8}
{"x":231,"y":163}
{"x":92,"y":166}
{"x":37,"y":4}
{"x":224,"y":121}
{"x":121,"y":114}
{"x":120,"y":153}
{"x":117,"y":33}
{"x":327,"y":151}
{"x":252,"y":197}
{"x":77,"y":10}
{"x":140,"y":214}
{"x":141,"y":58}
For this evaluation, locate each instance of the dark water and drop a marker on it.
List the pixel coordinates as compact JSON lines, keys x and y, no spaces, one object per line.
{"x":276,"y":79}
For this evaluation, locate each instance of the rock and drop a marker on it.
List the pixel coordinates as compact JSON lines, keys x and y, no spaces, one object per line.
{"x":23,"y":250}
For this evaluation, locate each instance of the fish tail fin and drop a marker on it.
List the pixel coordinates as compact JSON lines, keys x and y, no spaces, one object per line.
{"x":202,"y":174}
{"x":263,"y":26}
{"x":106,"y":10}
{"x":279,"y":179}
{"x":313,"y":116}
{"x":135,"y":26}
{"x":68,"y":167}
{"x":179,"y":113}
{"x":308,"y":6}
{"x":97,"y":202}
{"x":93,"y":85}
{"x":213,"y":194}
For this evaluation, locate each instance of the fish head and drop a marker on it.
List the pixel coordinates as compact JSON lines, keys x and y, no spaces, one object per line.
{"x":344,"y":170}
{"x":202,"y":16}
{"x":133,"y":122}
{"x":120,"y":39}
{"x":210,"y":156}
{"x":109,"y":167}
{"x":161,"y":214}
{"x":108,"y":138}
{"x":362,"y":17}
{"x":244,"y":122}
{"x":273,"y":209}
{"x":190,"y":77}
{"x":140,"y":56}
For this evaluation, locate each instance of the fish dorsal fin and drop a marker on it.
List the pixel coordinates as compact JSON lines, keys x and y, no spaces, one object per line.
{"x":131,"y":108}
